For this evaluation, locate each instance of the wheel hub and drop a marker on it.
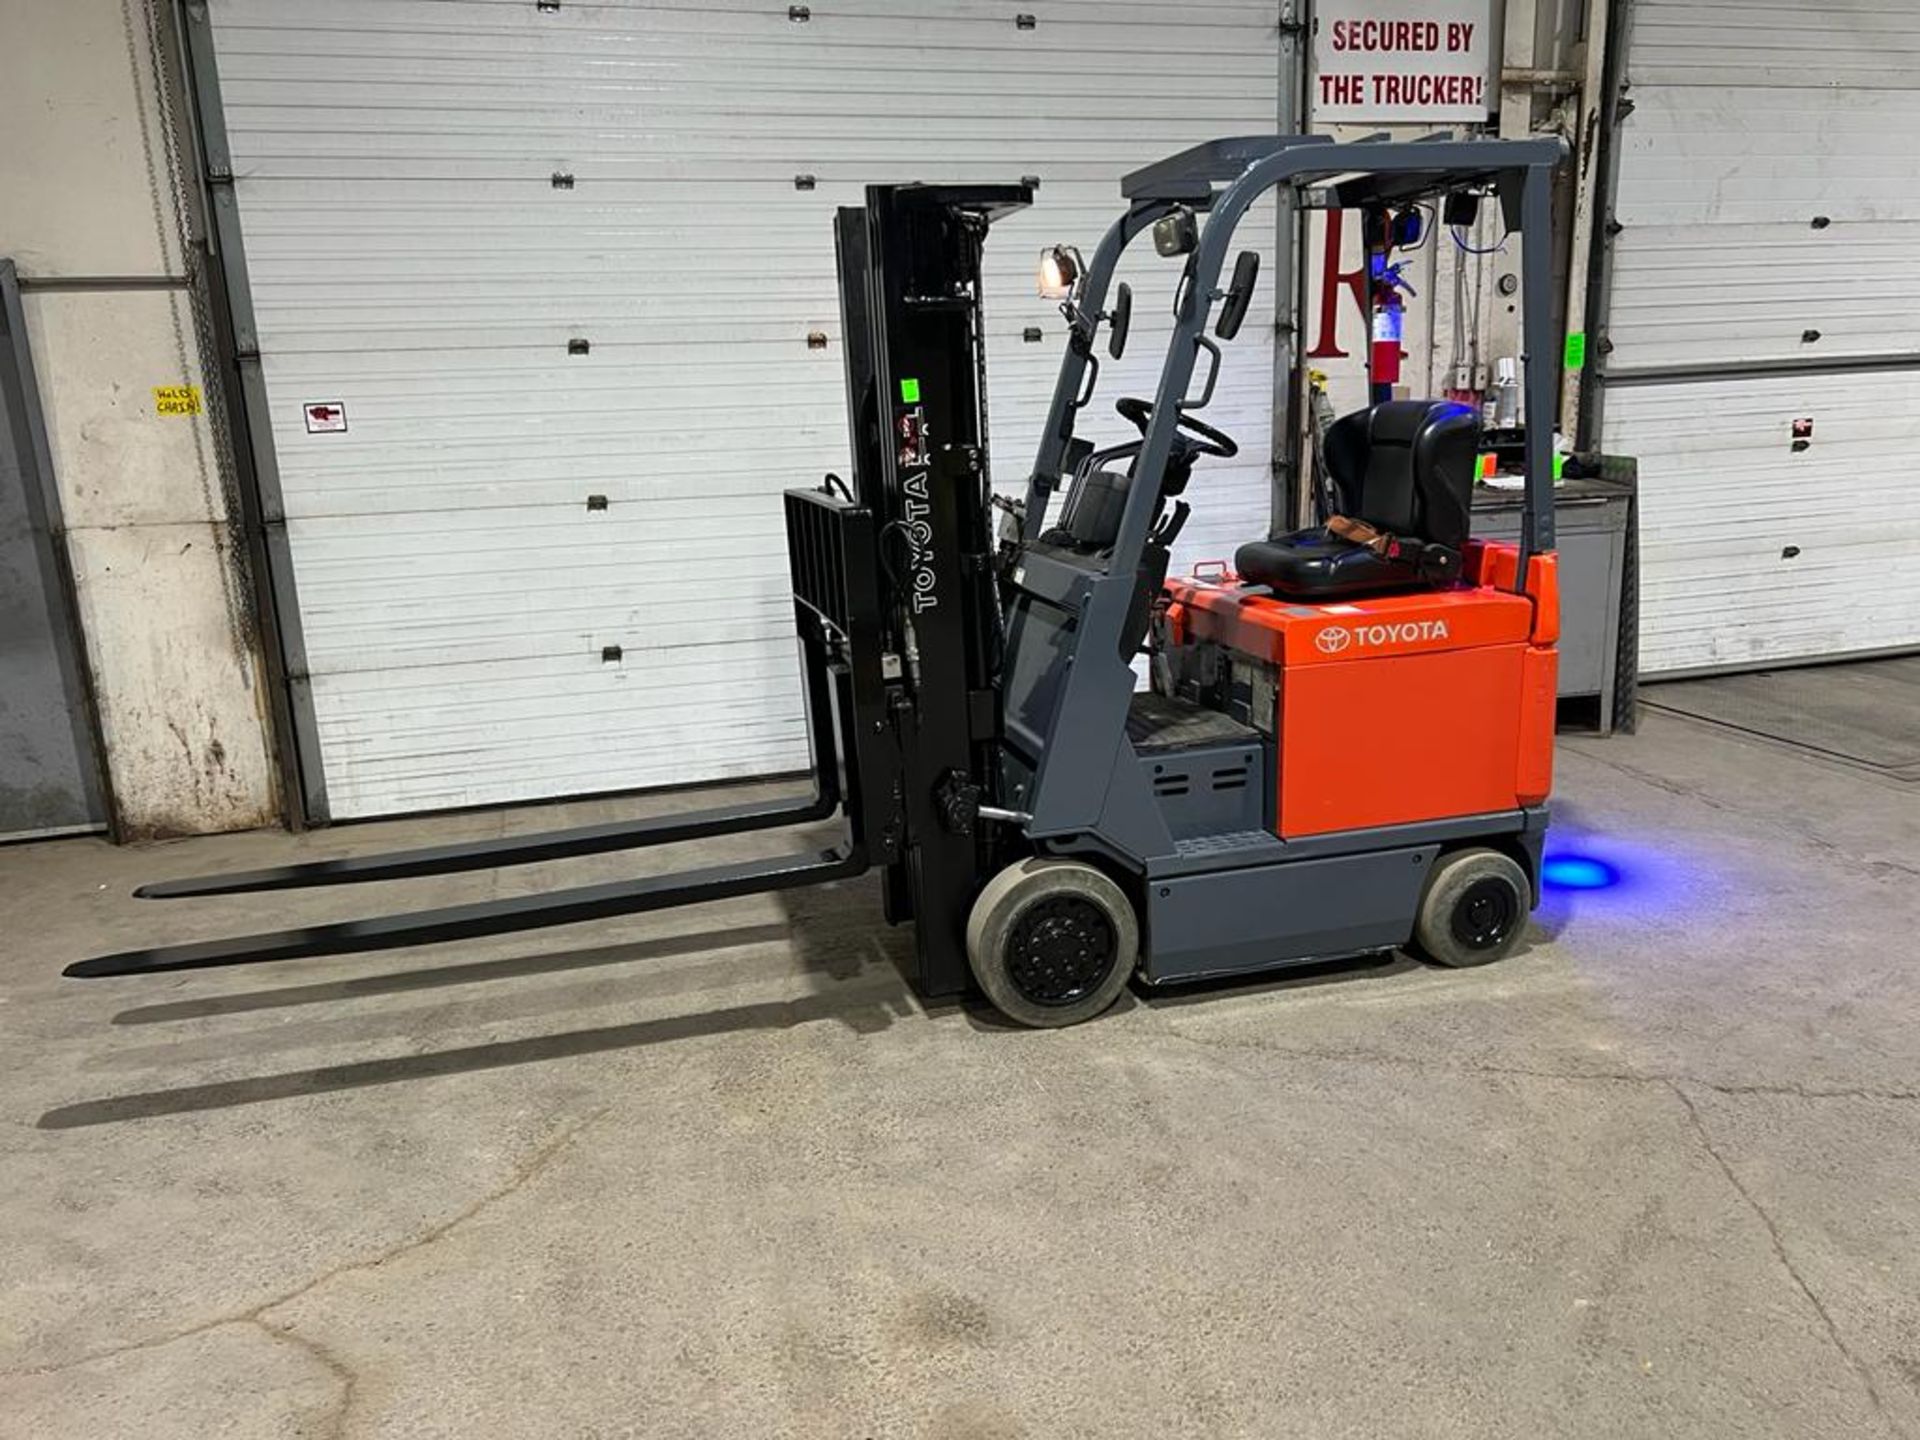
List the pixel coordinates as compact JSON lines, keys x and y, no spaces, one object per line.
{"x":1060,"y":950}
{"x":1485,"y":914}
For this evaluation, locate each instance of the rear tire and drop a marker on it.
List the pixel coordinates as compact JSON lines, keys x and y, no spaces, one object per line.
{"x":1052,"y":942}
{"x":1474,"y":910}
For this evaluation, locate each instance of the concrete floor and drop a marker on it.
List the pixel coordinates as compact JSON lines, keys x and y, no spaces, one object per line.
{"x":715,"y":1173}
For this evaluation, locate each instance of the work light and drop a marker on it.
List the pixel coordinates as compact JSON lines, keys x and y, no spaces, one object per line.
{"x":1060,"y":271}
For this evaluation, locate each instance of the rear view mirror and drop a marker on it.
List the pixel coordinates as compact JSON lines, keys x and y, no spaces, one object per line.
{"x":1246,"y":270}
{"x":1119,"y":321}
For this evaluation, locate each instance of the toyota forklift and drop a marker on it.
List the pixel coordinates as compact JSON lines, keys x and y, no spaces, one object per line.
{"x":1346,"y":746}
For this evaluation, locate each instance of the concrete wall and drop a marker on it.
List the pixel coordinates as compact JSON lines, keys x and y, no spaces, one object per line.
{"x":86,"y":201}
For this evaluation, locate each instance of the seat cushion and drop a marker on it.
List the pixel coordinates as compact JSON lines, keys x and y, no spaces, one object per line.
{"x":1314,"y":564}
{"x":1406,"y":467}
{"x":1090,"y":521}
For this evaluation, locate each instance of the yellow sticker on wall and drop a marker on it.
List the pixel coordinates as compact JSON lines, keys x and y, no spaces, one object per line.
{"x":177,"y":400}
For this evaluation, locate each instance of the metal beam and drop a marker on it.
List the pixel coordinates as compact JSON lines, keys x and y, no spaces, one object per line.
{"x":55,"y":284}
{"x":295,"y":726}
{"x":1586,"y":194}
{"x":1289,"y":312}
{"x":40,"y":490}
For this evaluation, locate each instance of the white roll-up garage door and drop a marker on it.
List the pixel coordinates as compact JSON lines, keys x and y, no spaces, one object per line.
{"x":560,"y":278}
{"x":1765,"y":343}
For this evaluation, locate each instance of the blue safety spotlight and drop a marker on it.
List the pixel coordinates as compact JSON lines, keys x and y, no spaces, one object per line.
{"x":1577,"y":872}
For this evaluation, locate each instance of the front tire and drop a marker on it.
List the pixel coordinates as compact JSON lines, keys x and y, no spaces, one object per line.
{"x":1474,"y":910}
{"x":1052,"y":942}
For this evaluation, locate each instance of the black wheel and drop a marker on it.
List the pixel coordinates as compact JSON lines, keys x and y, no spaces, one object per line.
{"x":1052,"y":942}
{"x":1474,"y":910}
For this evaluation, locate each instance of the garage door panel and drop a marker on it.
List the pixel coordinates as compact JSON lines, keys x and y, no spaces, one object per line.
{"x":767,"y":162}
{"x":459,"y":27}
{"x":444,"y":285}
{"x":768,"y":78}
{"x":1785,"y":44}
{"x":412,"y":260}
{"x":677,"y":444}
{"x":1721,"y":258}
{"x":812,"y":76}
{"x":614,"y":14}
{"x":630,"y":583}
{"x":1694,"y":294}
{"x":382,"y":595}
{"x":430,"y":742}
{"x":702,"y":366}
{"x":302,"y":211}
{"x":680,"y":310}
{"x":1739,"y":155}
{"x":728,"y":149}
{"x":1753,"y":552}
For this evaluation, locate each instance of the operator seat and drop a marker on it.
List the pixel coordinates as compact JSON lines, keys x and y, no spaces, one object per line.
{"x":1402,"y":474}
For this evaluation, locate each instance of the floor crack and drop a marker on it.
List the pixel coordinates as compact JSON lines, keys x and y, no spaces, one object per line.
{"x":1677,"y":1085}
{"x":518,"y":1179}
{"x":1647,"y":777}
{"x":1782,"y":1254}
{"x":523,"y":1173}
{"x":342,"y":1373}
{"x":1609,"y":1077}
{"x":1799,"y":1092}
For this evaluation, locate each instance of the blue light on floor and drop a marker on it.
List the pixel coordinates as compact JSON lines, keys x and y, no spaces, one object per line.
{"x":1577,"y":872}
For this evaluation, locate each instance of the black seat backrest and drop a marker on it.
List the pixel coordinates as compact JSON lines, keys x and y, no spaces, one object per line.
{"x":1406,"y":467}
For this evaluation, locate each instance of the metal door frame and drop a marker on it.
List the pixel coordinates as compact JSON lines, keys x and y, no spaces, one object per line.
{"x":243,"y":395}
{"x":42,"y":496}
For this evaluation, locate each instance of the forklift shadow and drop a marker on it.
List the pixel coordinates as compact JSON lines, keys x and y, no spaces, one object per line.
{"x":865,"y":1008}
{"x":1320,"y":975}
{"x":864,"y":992}
{"x":1317,"y":976}
{"x":1381,"y":966}
{"x":435,"y":977}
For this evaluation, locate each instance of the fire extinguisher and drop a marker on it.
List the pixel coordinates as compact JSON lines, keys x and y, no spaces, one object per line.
{"x":1389,"y":325}
{"x":1382,"y":232}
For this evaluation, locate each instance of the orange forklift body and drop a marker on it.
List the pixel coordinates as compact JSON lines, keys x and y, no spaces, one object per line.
{"x":1472,"y":667}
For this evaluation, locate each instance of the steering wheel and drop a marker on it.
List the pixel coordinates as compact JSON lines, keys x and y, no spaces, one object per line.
{"x":1209,"y":440}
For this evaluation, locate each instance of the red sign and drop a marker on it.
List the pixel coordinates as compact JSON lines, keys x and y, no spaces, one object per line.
{"x":325,"y":417}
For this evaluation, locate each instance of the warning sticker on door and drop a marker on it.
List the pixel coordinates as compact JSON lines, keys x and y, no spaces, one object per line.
{"x":177,"y":400}
{"x":325,"y":416}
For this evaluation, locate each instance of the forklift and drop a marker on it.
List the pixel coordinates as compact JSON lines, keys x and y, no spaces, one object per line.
{"x":1346,"y":745}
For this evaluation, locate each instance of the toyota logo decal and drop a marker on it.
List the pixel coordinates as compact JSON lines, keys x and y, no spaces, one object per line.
{"x":1333,"y":639}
